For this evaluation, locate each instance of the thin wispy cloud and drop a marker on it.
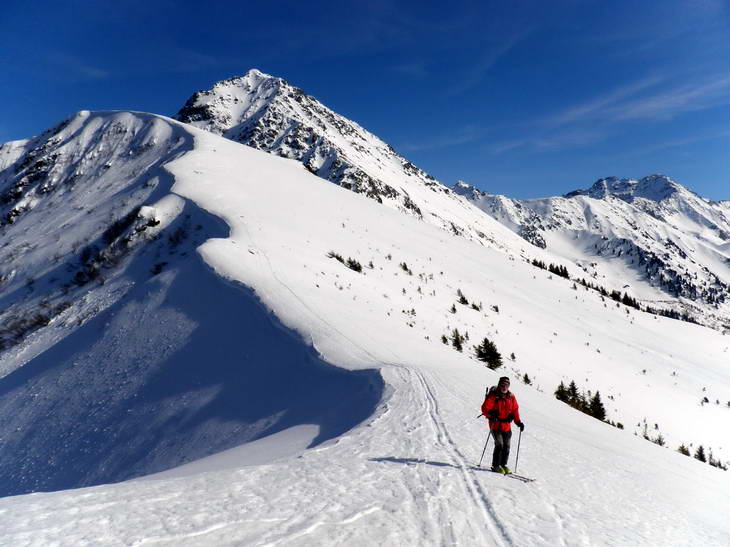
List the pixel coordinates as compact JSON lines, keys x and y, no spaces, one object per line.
{"x":678,"y":143}
{"x":478,"y":70}
{"x":189,"y":60}
{"x":465,"y":135}
{"x":553,"y":141}
{"x":652,"y":99}
{"x":75,"y":68}
{"x":600,"y":106}
{"x":415,"y":69}
{"x":666,"y":104}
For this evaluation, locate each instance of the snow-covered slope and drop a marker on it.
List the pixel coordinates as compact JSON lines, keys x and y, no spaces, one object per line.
{"x":123,"y":354}
{"x":269,"y":114}
{"x":669,"y":245}
{"x":235,"y":342}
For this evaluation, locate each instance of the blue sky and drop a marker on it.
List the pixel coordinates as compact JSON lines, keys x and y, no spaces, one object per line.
{"x":524,"y":98}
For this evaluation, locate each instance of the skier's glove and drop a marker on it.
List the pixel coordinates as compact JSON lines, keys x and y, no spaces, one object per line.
{"x":492,"y":414}
{"x":520,"y":425}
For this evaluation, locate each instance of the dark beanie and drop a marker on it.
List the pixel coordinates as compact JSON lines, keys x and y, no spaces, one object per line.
{"x":504,"y":379}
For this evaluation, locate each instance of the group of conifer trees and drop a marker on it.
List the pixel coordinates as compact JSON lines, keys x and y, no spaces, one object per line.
{"x":624,"y":298}
{"x":557,"y":269}
{"x":589,"y":404}
{"x":702,"y":456}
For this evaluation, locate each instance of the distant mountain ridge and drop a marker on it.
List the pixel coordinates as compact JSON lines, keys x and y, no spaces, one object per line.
{"x":651,"y":228}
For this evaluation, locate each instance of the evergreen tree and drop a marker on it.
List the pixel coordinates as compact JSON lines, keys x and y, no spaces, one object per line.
{"x":457,"y":340}
{"x":596,"y":407}
{"x":683,"y":450}
{"x":487,"y":352}
{"x":526,"y":379}
{"x":561,"y":394}
{"x":582,"y":404}
{"x":700,"y":454}
{"x":573,"y":394}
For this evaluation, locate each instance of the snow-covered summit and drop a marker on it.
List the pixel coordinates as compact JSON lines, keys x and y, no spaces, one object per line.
{"x":654,"y":187}
{"x":222,"y":109}
{"x":269,"y":114}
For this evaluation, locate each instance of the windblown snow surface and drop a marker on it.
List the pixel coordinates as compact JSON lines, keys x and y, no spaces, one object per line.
{"x":327,"y":405}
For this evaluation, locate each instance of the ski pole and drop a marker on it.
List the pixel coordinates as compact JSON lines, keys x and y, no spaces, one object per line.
{"x":517,"y":459}
{"x":480,"y":416}
{"x":485,"y":448}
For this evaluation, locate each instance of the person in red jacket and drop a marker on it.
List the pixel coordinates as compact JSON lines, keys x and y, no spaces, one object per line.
{"x":500,"y":407}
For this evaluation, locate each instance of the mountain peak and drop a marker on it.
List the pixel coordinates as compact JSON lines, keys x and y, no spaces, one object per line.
{"x":465,"y":189}
{"x":252,"y":78}
{"x":221,"y":108}
{"x":655,"y":187}
{"x":269,"y":114}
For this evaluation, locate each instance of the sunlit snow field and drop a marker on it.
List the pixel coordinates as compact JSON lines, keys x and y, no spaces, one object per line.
{"x":363,"y":422}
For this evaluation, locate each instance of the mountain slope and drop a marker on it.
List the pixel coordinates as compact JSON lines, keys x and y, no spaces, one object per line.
{"x":665,"y":244}
{"x":654,"y":237}
{"x":405,"y":475}
{"x":269,"y":114}
{"x":114,"y":366}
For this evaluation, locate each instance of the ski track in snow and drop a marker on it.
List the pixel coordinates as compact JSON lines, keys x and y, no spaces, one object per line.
{"x":474,"y":489}
{"x":442,"y":532}
{"x":441,"y":529}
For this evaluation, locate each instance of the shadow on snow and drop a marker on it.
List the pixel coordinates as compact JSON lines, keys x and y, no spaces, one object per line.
{"x":184,"y":366}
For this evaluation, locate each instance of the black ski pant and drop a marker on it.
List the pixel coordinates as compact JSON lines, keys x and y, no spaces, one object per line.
{"x":501,"y":447}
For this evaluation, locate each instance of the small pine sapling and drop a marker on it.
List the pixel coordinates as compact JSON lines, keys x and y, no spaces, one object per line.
{"x":457,"y":340}
{"x":487,"y":353}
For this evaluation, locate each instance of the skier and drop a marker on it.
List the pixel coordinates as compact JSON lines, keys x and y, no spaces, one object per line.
{"x":500,"y":407}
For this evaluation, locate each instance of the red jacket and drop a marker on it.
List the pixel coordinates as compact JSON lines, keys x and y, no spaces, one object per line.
{"x":506,"y":408}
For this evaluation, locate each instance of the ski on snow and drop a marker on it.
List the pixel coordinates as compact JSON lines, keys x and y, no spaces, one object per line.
{"x":519,"y":477}
{"x":511,"y":475}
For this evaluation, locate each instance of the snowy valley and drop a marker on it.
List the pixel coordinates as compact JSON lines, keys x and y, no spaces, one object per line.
{"x":208,"y":344}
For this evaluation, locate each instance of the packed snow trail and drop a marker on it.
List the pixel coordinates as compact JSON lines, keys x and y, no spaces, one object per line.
{"x":474,"y":489}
